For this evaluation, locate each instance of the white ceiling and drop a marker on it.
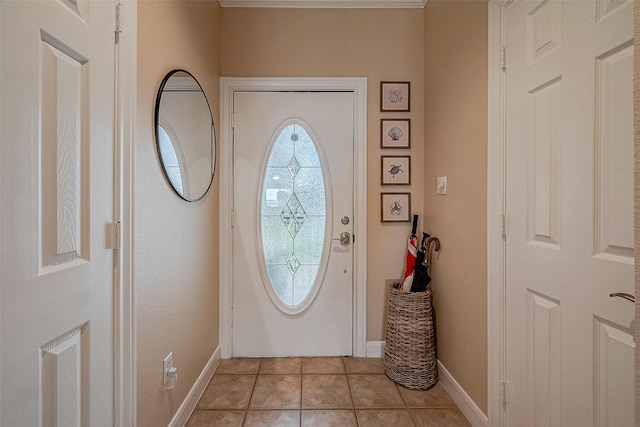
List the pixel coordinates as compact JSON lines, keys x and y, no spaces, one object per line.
{"x":332,"y":4}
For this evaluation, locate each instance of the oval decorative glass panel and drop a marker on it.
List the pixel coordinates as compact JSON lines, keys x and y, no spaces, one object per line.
{"x":293,"y":218}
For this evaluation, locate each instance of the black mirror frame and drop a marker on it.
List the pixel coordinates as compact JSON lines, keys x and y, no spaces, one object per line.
{"x":156,"y":125}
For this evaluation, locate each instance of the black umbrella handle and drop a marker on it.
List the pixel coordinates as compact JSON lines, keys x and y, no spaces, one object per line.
{"x":425,"y":237}
{"x":415,"y":225}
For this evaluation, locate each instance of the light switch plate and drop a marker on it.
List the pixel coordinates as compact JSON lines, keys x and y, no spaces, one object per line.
{"x":442,"y":185}
{"x":167,"y":364}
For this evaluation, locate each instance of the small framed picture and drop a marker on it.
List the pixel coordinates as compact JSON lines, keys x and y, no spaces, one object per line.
{"x":395,"y":133}
{"x":395,"y":170}
{"x":396,"y":207}
{"x":394,"y":96}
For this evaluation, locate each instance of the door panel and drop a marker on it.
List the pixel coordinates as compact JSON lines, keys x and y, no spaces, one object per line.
{"x":261,"y":325}
{"x":57,"y":182}
{"x":570,"y":209}
{"x":614,"y":168}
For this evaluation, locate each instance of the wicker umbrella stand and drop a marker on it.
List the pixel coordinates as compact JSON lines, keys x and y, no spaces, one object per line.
{"x":410,"y":350}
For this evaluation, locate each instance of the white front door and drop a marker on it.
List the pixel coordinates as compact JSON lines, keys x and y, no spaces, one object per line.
{"x":570,"y":347}
{"x":57,"y":186}
{"x":293,"y":201}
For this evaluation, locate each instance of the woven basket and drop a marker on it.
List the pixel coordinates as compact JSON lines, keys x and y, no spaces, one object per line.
{"x":410,"y":350}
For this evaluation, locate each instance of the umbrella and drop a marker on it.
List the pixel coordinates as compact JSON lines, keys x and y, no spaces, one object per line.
{"x":412,"y":249}
{"x":432,"y":241}
{"x":421,"y":277}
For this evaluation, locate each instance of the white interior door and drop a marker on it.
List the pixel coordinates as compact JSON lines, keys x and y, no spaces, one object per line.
{"x":57,"y":182}
{"x":570,"y":209}
{"x":293,"y":198}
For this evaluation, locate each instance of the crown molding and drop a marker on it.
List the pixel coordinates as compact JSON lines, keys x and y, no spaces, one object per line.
{"x":326,"y":4}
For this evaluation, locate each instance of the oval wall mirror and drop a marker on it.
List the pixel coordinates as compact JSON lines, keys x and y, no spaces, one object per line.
{"x":185,"y":135}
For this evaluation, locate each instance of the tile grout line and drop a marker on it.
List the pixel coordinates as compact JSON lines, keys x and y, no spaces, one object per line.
{"x":406,"y":406}
{"x":301,"y":386}
{"x":246,"y":411}
{"x":353,"y":405}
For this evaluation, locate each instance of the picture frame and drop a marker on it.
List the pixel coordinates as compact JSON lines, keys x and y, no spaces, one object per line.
{"x":395,"y":133}
{"x":395,"y":170}
{"x":395,"y":207}
{"x":395,"y":96}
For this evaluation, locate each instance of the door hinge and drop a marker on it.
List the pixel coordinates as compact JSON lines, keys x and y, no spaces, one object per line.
{"x":231,"y":317}
{"x":118,"y":17}
{"x":233,"y":120}
{"x":113,"y":235}
{"x":503,"y":393}
{"x":503,"y":225}
{"x":354,"y":238}
{"x":503,"y":59}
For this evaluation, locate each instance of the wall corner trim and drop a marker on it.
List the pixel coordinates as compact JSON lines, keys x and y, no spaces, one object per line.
{"x":467,"y":406}
{"x":191,"y":400}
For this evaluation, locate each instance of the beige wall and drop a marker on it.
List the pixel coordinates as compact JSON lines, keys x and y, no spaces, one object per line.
{"x":377,"y":44}
{"x":176,"y":242}
{"x":441,"y":50}
{"x":456,"y":146}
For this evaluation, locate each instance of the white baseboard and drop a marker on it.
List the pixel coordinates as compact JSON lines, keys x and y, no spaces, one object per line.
{"x":375,"y":348}
{"x":467,"y":406}
{"x":189,"y":404}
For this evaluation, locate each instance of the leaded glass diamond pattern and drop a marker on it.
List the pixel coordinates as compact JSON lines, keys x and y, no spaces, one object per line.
{"x":293,"y":215}
{"x":293,"y":264}
{"x":293,"y":257}
{"x":286,"y":215}
{"x":294,"y":167}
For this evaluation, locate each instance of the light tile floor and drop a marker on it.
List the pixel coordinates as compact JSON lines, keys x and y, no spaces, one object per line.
{"x":318,"y":392}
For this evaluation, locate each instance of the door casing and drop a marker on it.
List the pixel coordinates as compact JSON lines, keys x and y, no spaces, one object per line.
{"x":230,"y":85}
{"x":496,"y":208}
{"x":124,"y":311}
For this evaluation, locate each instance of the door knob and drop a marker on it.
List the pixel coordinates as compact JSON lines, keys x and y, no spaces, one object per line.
{"x":345,"y":238}
{"x":628,"y":297}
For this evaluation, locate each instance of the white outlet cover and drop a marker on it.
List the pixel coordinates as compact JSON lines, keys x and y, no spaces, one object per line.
{"x":442,"y":185}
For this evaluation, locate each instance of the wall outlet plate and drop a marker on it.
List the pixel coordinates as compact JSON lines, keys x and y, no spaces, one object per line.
{"x":167,"y":364}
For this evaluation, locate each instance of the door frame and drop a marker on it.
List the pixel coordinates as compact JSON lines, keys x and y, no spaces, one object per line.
{"x":496,"y":216}
{"x":357,"y":85}
{"x":124,"y":339}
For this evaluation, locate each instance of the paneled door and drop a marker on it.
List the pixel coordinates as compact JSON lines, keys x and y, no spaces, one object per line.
{"x":57,"y":186}
{"x":293,"y":223}
{"x":569,"y":196}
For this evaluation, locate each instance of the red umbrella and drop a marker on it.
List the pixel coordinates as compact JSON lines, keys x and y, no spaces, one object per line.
{"x":412,"y":250}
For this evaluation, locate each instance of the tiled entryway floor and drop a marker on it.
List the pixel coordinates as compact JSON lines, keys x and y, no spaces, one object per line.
{"x":322,"y":392}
